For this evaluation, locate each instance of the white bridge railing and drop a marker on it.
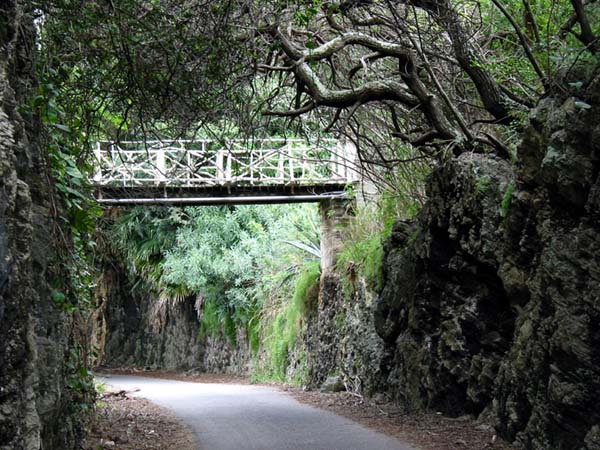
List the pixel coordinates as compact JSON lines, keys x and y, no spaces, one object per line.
{"x":198,"y":163}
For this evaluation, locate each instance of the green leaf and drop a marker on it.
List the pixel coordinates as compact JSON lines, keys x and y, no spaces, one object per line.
{"x":74,"y":192}
{"x":58,"y":297}
{"x":582,"y":105}
{"x":61,"y":127}
{"x":74,"y":172}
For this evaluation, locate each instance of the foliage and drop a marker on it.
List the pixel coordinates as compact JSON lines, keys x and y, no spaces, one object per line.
{"x":284,"y":329}
{"x":303,"y":300}
{"x":482,"y":185}
{"x":217,"y":321}
{"x":365,"y":257}
{"x":137,"y":66}
{"x":362,"y":253}
{"x":74,"y":214}
{"x":141,"y":235}
{"x":73,"y":209}
{"x":79,"y":380}
{"x":253,"y":268}
{"x":233,"y":258}
{"x":506,"y":200}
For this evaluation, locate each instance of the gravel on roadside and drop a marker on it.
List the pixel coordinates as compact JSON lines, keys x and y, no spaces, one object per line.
{"x":424,"y":431}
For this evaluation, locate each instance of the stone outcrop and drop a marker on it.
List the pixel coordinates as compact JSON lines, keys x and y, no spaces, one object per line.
{"x":34,"y":402}
{"x":134,"y":327}
{"x":491,"y":304}
{"x":340,"y":338}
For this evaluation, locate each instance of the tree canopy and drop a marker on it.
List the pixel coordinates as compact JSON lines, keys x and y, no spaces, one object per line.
{"x":410,"y":82}
{"x":434,"y":65}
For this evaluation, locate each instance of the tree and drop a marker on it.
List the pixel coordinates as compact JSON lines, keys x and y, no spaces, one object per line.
{"x":452,"y":75}
{"x":410,"y":82}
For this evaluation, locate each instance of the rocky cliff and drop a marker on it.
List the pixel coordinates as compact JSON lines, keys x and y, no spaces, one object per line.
{"x":34,"y":402}
{"x":492,"y":298}
{"x":133,"y":327}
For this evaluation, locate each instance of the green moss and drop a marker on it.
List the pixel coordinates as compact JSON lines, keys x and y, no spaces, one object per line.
{"x":253,"y":333}
{"x":229,"y":328}
{"x":278,"y":347}
{"x":339,"y":320}
{"x":304,"y":292}
{"x":482,"y":185}
{"x":506,"y":200}
{"x":210,"y":325}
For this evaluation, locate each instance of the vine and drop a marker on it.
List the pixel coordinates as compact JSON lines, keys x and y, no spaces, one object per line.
{"x":74,"y":214}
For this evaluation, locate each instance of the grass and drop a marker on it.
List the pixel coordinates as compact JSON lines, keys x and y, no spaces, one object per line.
{"x":285,"y":328}
{"x":253,"y":332}
{"x":366,"y":257}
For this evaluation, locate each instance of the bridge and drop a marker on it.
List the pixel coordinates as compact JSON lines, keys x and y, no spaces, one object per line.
{"x":204,"y":172}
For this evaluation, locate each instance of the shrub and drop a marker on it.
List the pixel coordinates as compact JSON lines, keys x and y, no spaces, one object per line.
{"x":366,"y":258}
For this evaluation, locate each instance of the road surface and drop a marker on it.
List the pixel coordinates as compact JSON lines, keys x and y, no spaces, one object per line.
{"x":245,"y":417}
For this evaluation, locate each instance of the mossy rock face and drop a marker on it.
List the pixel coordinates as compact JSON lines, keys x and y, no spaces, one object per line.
{"x":490,"y":300}
{"x":443,"y":311}
{"x":36,"y":406}
{"x":333,"y":384}
{"x":174,"y":339}
{"x":491,"y":307}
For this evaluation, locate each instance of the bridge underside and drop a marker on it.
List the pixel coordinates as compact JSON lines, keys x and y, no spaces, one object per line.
{"x":218,"y":195}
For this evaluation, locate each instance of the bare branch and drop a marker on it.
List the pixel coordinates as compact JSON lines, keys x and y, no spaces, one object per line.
{"x":469,"y":58}
{"x":587,"y":36}
{"x":342,"y":98}
{"x":412,"y":93}
{"x":531,"y":22}
{"x":364,"y":63}
{"x":364,"y":40}
{"x":524,"y":43}
{"x":268,"y":68}
{"x":571,"y":22}
{"x":292,"y":113}
{"x":501,"y":149}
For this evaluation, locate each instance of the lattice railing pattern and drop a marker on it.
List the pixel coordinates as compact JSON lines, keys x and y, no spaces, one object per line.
{"x":236,"y":162}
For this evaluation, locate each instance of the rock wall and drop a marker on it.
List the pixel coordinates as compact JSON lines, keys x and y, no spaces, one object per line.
{"x":135,"y":328}
{"x":491,"y":303}
{"x":34,"y":402}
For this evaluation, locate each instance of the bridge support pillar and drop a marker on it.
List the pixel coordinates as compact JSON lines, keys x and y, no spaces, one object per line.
{"x":335,"y":214}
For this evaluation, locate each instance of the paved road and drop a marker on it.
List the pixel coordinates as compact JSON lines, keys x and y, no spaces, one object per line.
{"x":241,"y":417}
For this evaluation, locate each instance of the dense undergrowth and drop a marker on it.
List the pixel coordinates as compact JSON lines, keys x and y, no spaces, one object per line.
{"x":252,"y":271}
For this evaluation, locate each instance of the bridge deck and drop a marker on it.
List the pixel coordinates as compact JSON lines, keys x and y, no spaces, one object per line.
{"x":206,"y":172}
{"x":172,"y":195}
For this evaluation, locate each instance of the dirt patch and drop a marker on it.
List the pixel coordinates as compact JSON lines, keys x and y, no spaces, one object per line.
{"x":123,"y":422}
{"x":425,"y":431}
